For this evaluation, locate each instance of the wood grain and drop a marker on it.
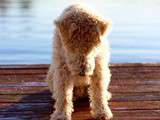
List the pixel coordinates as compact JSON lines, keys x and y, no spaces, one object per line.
{"x":135,"y":91}
{"x":45,"y":96}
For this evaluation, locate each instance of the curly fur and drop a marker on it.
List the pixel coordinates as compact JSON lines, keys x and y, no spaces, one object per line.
{"x":80,"y":57}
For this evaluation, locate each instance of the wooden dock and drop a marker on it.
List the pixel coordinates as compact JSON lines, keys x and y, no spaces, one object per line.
{"x":135,"y":88}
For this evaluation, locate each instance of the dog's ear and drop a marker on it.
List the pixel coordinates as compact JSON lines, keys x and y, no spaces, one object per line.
{"x":56,"y":23}
{"x":71,"y":28}
{"x":104,"y":27}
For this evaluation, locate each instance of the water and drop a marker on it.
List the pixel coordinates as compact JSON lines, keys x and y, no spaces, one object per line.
{"x":26,"y":28}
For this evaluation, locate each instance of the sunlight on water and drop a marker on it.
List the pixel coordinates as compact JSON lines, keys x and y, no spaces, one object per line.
{"x":26,"y":28}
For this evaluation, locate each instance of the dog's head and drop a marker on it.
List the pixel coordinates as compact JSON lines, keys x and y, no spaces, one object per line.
{"x":81,"y":31}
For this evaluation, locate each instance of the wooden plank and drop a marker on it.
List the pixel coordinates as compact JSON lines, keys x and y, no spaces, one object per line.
{"x":123,"y":74}
{"x":23,"y":90}
{"x":136,"y":105}
{"x":33,"y":98}
{"x":22,"y":71}
{"x":130,"y":81}
{"x":117,"y":113}
{"x":115,"y":68}
{"x":132,"y":71}
{"x":43,"y":117}
{"x":134,"y":88}
{"x":84,"y":115}
{"x":135,"y":96}
{"x":147,"y":64}
{"x":31,"y":88}
{"x":122,"y":115}
{"x":23,"y":79}
{"x":25,"y":84}
{"x":120,"y":72}
{"x":136,"y":118}
{"x":112,"y":65}
{"x":11,"y":107}
{"x":139,"y":75}
{"x":15,"y":79}
{"x":25,"y":66}
{"x":34,"y":116}
{"x":46,"y":97}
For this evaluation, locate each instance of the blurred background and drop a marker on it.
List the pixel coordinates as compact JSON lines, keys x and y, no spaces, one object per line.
{"x":26,"y":28}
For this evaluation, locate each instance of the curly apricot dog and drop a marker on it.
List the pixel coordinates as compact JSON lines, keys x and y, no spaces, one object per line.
{"x":80,"y":57}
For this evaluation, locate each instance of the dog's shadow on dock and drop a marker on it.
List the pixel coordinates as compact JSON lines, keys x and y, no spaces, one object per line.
{"x":38,"y":106}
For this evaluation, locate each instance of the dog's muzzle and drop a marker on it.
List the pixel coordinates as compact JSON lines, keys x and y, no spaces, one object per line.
{"x":84,"y":71}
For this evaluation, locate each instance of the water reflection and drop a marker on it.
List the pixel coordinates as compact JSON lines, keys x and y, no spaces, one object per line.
{"x":6,"y":5}
{"x":25,"y":4}
{"x":26,"y":29}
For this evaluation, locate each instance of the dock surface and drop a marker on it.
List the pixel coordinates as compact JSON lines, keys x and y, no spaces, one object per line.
{"x":135,"y":89}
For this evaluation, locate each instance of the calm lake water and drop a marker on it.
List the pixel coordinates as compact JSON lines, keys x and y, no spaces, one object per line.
{"x":26,"y":29}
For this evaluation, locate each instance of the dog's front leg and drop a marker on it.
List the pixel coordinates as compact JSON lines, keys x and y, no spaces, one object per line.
{"x":98,"y":93}
{"x":63,"y":92}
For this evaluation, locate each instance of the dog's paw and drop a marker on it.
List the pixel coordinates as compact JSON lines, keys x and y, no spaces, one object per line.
{"x":60,"y":116}
{"x":104,"y":116}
